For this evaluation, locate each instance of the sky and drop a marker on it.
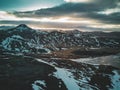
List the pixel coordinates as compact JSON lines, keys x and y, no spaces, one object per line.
{"x":24,"y":5}
{"x":84,"y":15}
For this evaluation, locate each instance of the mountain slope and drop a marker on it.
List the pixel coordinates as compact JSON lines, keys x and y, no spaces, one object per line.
{"x":27,"y":40}
{"x":21,"y":39}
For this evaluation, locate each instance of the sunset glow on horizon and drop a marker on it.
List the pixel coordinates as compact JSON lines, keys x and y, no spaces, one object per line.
{"x":64,"y":14}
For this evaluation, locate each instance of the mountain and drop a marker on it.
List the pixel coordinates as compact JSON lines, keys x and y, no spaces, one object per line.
{"x":26,"y":64}
{"x":21,"y":39}
{"x":24,"y":39}
{"x":22,"y":27}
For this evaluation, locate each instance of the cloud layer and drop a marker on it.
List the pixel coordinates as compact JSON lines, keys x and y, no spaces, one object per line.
{"x":107,"y":11}
{"x":100,"y":14}
{"x":81,"y":1}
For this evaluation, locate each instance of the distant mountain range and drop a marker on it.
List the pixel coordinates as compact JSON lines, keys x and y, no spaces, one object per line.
{"x":24,"y":39}
{"x":6,"y":27}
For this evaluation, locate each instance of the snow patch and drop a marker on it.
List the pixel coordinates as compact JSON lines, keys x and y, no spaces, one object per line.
{"x":39,"y":85}
{"x":7,"y":42}
{"x":115,"y":80}
{"x":95,"y":38}
{"x":112,"y":60}
{"x":67,"y":78}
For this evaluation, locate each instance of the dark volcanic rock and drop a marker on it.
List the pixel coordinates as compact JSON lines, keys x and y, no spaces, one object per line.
{"x":19,"y":73}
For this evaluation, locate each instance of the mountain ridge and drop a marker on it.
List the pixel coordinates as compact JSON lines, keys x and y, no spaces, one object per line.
{"x":27,"y":40}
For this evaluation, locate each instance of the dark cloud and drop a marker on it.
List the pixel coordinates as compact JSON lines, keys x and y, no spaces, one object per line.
{"x":87,"y":16}
{"x":77,"y":10}
{"x":112,"y":18}
{"x":79,"y":7}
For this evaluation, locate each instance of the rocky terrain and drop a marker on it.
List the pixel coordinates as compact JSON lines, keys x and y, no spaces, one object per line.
{"x":23,"y":39}
{"x":28,"y":73}
{"x":59,"y":60}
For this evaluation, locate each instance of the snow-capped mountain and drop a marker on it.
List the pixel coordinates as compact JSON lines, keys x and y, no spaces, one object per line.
{"x":54,"y":71}
{"x":27,"y":40}
{"x":21,"y":39}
